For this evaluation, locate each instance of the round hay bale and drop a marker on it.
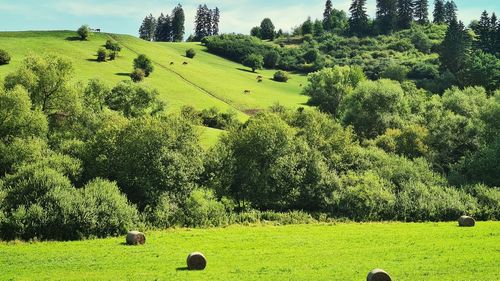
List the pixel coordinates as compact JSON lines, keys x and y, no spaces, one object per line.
{"x":196,"y":261}
{"x":378,"y":275}
{"x":136,"y":238}
{"x":466,"y":221}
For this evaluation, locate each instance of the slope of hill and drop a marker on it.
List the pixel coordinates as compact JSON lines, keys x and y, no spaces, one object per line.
{"x":206,"y":81}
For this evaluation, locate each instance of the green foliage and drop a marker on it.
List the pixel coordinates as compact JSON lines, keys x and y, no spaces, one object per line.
{"x":488,"y":199}
{"x":271,"y":59}
{"x":144,"y":63}
{"x":281,"y":76}
{"x":253,"y":61}
{"x":395,"y":72}
{"x":190,"y":53}
{"x":102,"y":54}
{"x":201,"y":209}
{"x":46,"y":78}
{"x":375,"y":106}
{"x":137,"y":75}
{"x":4,"y":57}
{"x":95,"y":94}
{"x":328,"y":88}
{"x":133,"y":100}
{"x":267,"y":30}
{"x":112,"y":46}
{"x":482,"y":69}
{"x":84,"y":32}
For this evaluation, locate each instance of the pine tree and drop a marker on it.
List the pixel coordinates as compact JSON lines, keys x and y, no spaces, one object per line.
{"x":450,"y":12}
{"x":358,"y":22}
{"x":439,"y":13}
{"x":163,"y":29}
{"x":455,"y":48}
{"x":327,"y":14}
{"x":421,"y":9}
{"x":495,"y":34}
{"x":484,"y":31}
{"x":386,"y":15}
{"x":405,"y":13}
{"x":178,"y":19}
{"x":148,"y":28}
{"x":215,"y":21}
{"x":208,"y":21}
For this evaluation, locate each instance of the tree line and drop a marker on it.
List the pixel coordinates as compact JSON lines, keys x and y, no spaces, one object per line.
{"x":167,"y":28}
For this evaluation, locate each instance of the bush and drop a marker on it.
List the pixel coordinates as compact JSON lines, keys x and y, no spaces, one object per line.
{"x":164,"y":215}
{"x":4,"y":57}
{"x":253,"y":61}
{"x":113,"y":55}
{"x":104,"y":210}
{"x":112,"y":46}
{"x":84,"y":32}
{"x":137,"y":75}
{"x":201,"y":209}
{"x":395,"y":72}
{"x":281,"y":76}
{"x":488,"y":200}
{"x":144,"y":63}
{"x":191,"y":53}
{"x":101,"y":55}
{"x":271,"y":59}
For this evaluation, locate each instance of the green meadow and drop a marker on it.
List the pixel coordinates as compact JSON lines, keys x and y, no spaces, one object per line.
{"x":206,"y":81}
{"x":346,"y":251}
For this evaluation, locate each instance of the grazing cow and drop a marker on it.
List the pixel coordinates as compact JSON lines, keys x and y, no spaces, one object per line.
{"x":184,"y":63}
{"x":247,"y":92}
{"x":98,"y":30}
{"x":259,"y":77}
{"x":171,"y":63}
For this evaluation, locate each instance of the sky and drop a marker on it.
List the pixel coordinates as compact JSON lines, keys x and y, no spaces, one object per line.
{"x":239,"y":16}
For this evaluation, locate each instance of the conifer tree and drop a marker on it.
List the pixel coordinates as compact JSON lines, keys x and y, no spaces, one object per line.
{"x":215,"y":21}
{"x":148,"y":28}
{"x":485,"y":30}
{"x":405,"y":13}
{"x":455,"y":48}
{"x":421,"y":10}
{"x":386,"y":15}
{"x":450,"y":12}
{"x":327,"y":14}
{"x":178,"y":20}
{"x":358,"y":22}
{"x":439,"y":12}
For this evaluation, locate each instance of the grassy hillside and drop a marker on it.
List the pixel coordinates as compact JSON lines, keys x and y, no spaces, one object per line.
{"x":204,"y":82}
{"x":429,"y":251}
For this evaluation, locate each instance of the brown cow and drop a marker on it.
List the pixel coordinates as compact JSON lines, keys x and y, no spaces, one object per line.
{"x":171,"y":63}
{"x":184,"y":63}
{"x":246,"y":92}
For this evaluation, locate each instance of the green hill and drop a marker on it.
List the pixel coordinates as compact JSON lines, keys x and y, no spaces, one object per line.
{"x":206,"y":81}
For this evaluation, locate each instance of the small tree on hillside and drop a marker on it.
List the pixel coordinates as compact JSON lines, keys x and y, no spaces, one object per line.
{"x":4,"y":57}
{"x":137,"y":75}
{"x":144,"y":63}
{"x":191,"y":53}
{"x":254,"y":61}
{"x":84,"y":32}
{"x":101,"y":55}
{"x":267,"y":29}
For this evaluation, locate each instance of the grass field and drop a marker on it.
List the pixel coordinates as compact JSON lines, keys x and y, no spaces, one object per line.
{"x":206,"y":81}
{"x":426,"y":251}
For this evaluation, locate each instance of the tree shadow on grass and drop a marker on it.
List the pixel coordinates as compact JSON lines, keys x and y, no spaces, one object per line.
{"x":182,"y":269}
{"x":122,"y":74}
{"x":73,"y":38}
{"x":246,"y":70}
{"x":92,"y":60}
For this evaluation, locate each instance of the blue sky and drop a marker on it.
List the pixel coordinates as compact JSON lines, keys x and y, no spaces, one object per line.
{"x":125,"y":16}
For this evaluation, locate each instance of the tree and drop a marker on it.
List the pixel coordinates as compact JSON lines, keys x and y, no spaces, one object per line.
{"x":482,"y":69}
{"x":144,"y":63}
{"x":328,"y":88}
{"x":387,"y":15}
{"x":148,"y":28}
{"x":94,"y":95}
{"x":421,"y":10}
{"x":375,"y":106}
{"x":47,"y":81}
{"x":137,"y":75}
{"x":190,"y":53}
{"x":450,"y":12}
{"x":164,"y":29}
{"x":215,"y":21}
{"x":256,"y":32}
{"x":358,"y":22}
{"x":395,"y":72}
{"x":133,"y":100}
{"x":454,"y":49}
{"x":254,"y":61}
{"x":84,"y":32}
{"x":485,"y":29}
{"x":281,"y":76}
{"x":178,"y":20}
{"x":318,"y":28}
{"x":439,"y":12}
{"x":101,"y":55}
{"x":267,"y":31}
{"x":4,"y":57}
{"x":327,"y":14}
{"x":307,"y":27}
{"x":271,"y":59}
{"x":405,"y":13}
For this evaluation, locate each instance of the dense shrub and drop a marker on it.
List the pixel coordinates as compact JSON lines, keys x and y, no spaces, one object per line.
{"x":84,"y":32}
{"x":102,"y":54}
{"x":133,"y":100}
{"x":395,"y":72}
{"x":281,"y":76}
{"x":144,"y":63}
{"x":112,"y":45}
{"x":488,"y":199}
{"x":137,"y":75}
{"x":253,"y":61}
{"x":201,"y":209}
{"x":190,"y":53}
{"x":271,"y":59}
{"x":4,"y":57}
